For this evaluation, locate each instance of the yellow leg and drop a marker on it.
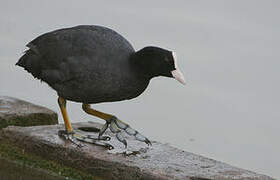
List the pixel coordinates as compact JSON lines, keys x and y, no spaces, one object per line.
{"x":62,"y":105}
{"x":89,"y":110}
{"x":73,"y":137}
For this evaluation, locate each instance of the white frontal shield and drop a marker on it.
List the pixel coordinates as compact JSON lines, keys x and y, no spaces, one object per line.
{"x":177,"y":74}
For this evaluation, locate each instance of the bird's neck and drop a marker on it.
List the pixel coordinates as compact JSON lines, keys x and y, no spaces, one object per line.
{"x":143,"y":66}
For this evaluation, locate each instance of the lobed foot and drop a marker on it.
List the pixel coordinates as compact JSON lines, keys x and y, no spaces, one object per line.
{"x":117,"y":126}
{"x":76,"y":138}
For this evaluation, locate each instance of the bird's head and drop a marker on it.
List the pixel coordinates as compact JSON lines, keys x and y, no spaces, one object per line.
{"x":155,"y":61}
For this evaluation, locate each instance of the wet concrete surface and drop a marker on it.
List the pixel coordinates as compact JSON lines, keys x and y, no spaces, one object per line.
{"x":138,"y":161}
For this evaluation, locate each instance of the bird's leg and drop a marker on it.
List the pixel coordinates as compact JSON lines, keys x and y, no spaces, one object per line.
{"x":72,"y":136}
{"x":68,"y":132}
{"x":115,"y":125}
{"x":62,"y":106}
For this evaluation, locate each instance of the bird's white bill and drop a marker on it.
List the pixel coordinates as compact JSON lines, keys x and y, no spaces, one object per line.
{"x":178,"y":75}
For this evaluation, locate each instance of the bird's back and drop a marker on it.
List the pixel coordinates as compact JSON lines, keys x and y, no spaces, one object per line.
{"x":84,"y":63}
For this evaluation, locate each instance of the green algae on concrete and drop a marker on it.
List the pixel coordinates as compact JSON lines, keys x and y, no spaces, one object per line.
{"x":10,"y":170}
{"x":21,"y":113}
{"x":17,"y":159}
{"x":29,"y":120}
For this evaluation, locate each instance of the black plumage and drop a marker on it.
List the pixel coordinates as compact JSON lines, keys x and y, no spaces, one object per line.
{"x":93,"y":64}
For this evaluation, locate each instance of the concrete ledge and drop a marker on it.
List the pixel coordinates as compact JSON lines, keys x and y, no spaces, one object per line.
{"x":21,"y":113}
{"x":43,"y":150}
{"x":138,"y":161}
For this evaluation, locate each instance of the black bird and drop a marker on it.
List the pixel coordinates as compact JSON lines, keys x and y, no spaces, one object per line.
{"x":93,"y":64}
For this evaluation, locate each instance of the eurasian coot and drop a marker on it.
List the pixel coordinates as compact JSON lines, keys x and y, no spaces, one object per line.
{"x":93,"y":64}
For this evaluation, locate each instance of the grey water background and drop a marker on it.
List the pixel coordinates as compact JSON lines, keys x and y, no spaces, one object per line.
{"x":228,"y":51}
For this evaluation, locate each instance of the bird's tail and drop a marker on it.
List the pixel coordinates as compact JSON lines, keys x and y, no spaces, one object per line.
{"x":30,"y":61}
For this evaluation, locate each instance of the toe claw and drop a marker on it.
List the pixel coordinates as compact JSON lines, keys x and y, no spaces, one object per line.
{"x":107,"y":138}
{"x":109,"y":146}
{"x":147,"y":141}
{"x":142,"y":138}
{"x":124,"y":143}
